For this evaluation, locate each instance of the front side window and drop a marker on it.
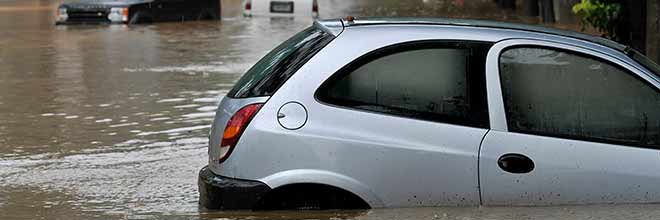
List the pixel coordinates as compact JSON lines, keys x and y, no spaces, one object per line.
{"x":436,"y":81}
{"x":558,"y":93}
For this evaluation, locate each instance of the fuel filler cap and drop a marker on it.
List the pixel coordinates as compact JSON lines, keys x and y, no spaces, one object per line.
{"x":292,"y":116}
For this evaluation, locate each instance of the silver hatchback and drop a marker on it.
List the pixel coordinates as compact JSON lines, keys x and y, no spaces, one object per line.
{"x":372,"y":113}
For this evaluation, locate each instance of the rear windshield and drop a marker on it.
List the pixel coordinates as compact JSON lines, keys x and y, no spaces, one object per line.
{"x":265,"y":77}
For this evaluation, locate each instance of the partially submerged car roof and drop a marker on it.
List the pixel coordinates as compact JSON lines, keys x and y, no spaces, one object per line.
{"x":335,"y":26}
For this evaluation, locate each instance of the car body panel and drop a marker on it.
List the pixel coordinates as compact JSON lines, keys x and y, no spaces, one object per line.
{"x":226,"y":109}
{"x":566,"y":171}
{"x":327,"y":178}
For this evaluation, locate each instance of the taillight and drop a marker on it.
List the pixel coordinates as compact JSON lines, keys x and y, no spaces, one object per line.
{"x":315,"y":6}
{"x":124,"y":12}
{"x":118,"y":15}
{"x":234,"y":129}
{"x":248,"y":5}
{"x":62,"y":15}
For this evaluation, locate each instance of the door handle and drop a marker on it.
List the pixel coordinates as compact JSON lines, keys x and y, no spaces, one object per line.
{"x":516,"y":163}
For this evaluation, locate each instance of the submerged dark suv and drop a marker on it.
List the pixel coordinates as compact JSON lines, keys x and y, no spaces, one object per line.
{"x":136,"y":11}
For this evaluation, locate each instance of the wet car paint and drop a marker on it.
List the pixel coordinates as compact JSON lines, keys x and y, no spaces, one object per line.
{"x":112,"y":122}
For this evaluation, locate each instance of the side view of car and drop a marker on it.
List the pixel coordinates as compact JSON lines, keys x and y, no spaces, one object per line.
{"x":372,"y":113}
{"x":136,"y":11}
{"x":281,"y":8}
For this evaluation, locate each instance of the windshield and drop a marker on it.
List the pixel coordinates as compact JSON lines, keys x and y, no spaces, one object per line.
{"x":267,"y":75}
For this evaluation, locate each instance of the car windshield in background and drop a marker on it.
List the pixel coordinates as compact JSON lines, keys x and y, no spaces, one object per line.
{"x":265,"y":77}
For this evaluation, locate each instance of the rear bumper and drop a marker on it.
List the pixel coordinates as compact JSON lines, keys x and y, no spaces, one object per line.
{"x":224,"y":193}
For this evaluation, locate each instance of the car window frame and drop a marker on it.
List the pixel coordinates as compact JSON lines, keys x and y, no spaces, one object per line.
{"x":498,"y":116}
{"x":400,"y":47}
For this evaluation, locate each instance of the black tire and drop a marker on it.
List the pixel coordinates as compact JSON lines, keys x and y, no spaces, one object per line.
{"x":310,"y":197}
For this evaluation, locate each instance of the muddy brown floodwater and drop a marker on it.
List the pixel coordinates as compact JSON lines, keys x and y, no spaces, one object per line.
{"x":111,"y":122}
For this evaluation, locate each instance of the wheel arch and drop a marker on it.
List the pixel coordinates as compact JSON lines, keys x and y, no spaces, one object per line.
{"x":320,"y":177}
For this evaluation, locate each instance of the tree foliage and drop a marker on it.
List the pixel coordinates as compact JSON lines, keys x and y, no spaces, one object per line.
{"x":603,"y":15}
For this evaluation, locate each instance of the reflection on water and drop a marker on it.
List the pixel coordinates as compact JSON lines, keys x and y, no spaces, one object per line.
{"x":101,"y":122}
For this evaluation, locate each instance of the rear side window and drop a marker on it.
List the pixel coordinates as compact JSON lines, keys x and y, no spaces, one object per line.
{"x":558,"y":93}
{"x":267,"y":75}
{"x":430,"y":80}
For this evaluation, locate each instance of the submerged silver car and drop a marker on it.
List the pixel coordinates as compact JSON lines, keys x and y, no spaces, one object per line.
{"x":372,"y":113}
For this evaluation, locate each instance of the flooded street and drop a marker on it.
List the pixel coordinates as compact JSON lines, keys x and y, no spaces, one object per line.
{"x":111,"y":122}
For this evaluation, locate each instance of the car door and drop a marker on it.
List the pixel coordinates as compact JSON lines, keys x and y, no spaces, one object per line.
{"x":400,"y":119}
{"x":569,"y":126}
{"x":415,"y":113}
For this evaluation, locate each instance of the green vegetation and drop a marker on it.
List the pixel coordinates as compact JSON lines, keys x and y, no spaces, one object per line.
{"x":600,"y":14}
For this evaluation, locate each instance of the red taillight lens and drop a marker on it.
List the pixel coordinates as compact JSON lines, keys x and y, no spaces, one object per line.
{"x":315,"y":6}
{"x":248,"y":5}
{"x":235,"y":127}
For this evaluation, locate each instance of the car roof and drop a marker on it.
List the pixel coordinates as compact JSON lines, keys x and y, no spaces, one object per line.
{"x":336,"y":26}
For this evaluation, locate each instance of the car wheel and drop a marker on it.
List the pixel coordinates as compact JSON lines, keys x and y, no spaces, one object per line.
{"x":310,"y":197}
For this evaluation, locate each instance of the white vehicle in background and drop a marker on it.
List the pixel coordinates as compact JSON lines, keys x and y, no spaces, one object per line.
{"x":281,"y":8}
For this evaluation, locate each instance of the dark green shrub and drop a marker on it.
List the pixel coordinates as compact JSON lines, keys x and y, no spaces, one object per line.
{"x":604,"y":16}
